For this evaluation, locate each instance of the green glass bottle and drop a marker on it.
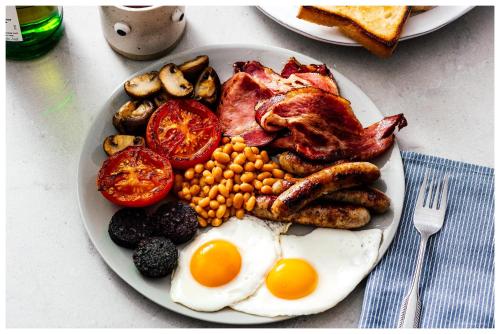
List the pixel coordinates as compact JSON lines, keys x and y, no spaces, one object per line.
{"x":32,"y":30}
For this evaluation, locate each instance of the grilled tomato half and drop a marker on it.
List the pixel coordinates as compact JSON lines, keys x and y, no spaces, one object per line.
{"x":185,"y":131}
{"x":135,"y":177}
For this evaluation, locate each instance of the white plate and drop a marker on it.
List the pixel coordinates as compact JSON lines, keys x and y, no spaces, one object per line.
{"x":416,"y":25}
{"x":96,"y":211}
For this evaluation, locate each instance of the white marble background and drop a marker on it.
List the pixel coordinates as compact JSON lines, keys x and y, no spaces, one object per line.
{"x":443,"y":82}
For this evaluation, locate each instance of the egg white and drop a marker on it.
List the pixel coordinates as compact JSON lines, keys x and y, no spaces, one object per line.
{"x":258,"y":244}
{"x":341,"y":258}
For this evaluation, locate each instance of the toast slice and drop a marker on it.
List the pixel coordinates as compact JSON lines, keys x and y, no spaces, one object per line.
{"x":419,"y":9}
{"x":377,"y":28}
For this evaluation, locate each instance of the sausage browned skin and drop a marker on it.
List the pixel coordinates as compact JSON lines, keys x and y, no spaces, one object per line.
{"x":295,"y":165}
{"x":319,"y":214}
{"x":370,"y":198}
{"x":330,"y":179}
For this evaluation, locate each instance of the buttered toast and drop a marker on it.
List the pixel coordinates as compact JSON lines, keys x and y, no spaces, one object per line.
{"x":377,"y":28}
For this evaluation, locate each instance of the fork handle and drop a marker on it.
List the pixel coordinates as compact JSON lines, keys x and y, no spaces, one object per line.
{"x":409,"y":316}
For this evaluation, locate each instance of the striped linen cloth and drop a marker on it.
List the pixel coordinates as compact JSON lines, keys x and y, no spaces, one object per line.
{"x":456,"y":286}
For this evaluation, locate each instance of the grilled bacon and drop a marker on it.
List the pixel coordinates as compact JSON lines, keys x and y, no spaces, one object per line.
{"x":322,"y":126}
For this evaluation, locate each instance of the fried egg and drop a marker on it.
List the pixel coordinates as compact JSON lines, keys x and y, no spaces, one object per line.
{"x":226,"y":264}
{"x":314,"y":272}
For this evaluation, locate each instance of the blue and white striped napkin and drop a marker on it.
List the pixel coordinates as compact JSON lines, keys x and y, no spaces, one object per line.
{"x":456,"y":287}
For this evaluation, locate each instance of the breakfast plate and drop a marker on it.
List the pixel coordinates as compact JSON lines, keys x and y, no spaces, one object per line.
{"x":417,"y":25}
{"x":96,"y":211}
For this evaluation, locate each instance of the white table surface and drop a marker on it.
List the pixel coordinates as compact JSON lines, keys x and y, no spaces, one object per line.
{"x":443,"y":82}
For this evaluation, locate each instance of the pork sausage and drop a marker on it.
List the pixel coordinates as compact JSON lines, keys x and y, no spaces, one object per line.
{"x":370,"y":198}
{"x":318,"y":214}
{"x":330,"y":179}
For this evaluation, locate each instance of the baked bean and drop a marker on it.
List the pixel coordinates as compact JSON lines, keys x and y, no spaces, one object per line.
{"x":221,"y":157}
{"x":195,"y":189}
{"x":249,"y":154}
{"x":240,"y":213}
{"x":217,"y":173}
{"x":266,"y":190}
{"x":264,"y":175}
{"x":238,"y":200}
{"x":237,"y":139}
{"x":236,"y":168}
{"x":189,"y":174}
{"x":202,"y":221}
{"x":213,"y":192}
{"x":205,"y":190}
{"x":258,"y":164}
{"x":228,"y":149}
{"x":247,"y":177}
{"x":229,"y":185}
{"x":220,"y":211}
{"x":209,"y":164}
{"x":249,"y":166}
{"x":209,"y":180}
{"x":269,"y":181}
{"x":277,"y":187}
{"x":214,"y":204}
{"x":223,"y":190}
{"x":204,"y":202}
{"x":198,"y":168}
{"x":250,"y":203}
{"x":265,"y":156}
{"x":239,"y":147}
{"x":221,"y":199}
{"x":246,"y":187}
{"x":228,"y":174}
{"x":216,"y":222}
{"x":267,"y":167}
{"x":240,"y":159}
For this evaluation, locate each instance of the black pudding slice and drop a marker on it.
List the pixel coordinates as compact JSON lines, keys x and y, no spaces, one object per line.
{"x":176,"y":221}
{"x":128,"y":226}
{"x":155,"y":257}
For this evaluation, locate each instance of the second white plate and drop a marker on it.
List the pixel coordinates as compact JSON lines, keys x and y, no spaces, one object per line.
{"x":416,"y":25}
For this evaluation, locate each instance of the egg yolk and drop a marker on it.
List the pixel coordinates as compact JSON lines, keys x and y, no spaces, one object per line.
{"x":292,"y":279}
{"x":215,"y":263}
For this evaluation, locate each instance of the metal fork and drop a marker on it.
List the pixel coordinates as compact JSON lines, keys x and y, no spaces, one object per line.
{"x":428,"y":219}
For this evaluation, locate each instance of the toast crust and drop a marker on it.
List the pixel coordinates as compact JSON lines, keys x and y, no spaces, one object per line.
{"x":377,"y":45}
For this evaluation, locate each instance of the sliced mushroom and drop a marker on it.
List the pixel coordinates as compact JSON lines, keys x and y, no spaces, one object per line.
{"x":174,"y":82}
{"x":133,"y":116}
{"x":192,"y":68}
{"x":117,"y":143}
{"x":207,"y":87}
{"x":143,"y":85}
{"x":160,"y":98}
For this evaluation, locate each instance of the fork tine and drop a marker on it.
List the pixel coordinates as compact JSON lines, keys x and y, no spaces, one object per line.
{"x":435,"y":189}
{"x":421,"y":192}
{"x":444,"y":193}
